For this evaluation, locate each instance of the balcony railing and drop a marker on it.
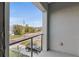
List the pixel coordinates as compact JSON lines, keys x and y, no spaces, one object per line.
{"x":31,"y":46}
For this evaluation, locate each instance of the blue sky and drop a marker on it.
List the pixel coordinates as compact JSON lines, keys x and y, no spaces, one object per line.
{"x":25,"y":12}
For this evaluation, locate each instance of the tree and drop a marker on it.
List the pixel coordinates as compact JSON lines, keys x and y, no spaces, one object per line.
{"x":26,"y":28}
{"x":18,"y":29}
{"x":31,"y":29}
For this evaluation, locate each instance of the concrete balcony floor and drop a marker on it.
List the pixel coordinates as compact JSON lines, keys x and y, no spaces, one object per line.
{"x":54,"y":54}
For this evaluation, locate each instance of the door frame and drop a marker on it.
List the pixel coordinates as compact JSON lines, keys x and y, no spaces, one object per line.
{"x":6,"y":24}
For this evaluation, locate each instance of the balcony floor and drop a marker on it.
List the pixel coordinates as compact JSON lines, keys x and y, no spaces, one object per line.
{"x":53,"y":54}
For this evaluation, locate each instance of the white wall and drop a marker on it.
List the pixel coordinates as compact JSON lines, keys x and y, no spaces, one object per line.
{"x":64,"y":27}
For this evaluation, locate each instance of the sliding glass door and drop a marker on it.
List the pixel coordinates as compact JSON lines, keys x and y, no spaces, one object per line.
{"x":25,"y":29}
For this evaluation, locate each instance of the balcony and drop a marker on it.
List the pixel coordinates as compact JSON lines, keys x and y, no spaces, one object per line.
{"x":26,"y":46}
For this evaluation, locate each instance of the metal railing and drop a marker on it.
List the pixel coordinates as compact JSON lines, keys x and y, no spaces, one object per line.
{"x":31,"y":42}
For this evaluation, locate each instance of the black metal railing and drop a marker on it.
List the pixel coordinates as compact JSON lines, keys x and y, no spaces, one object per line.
{"x":31,"y":48}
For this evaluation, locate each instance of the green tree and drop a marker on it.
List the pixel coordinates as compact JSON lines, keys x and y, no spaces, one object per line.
{"x":18,"y":29}
{"x":31,"y":29}
{"x":26,"y":28}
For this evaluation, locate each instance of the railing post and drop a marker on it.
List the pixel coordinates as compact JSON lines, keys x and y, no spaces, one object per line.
{"x":31,"y":47}
{"x":41,"y":41}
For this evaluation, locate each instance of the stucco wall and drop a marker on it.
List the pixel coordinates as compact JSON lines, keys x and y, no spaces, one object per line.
{"x":64,"y":27}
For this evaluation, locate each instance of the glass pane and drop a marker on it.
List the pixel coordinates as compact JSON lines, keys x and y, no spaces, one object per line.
{"x":25,"y":23}
{"x":37,"y":45}
{"x":21,"y":49}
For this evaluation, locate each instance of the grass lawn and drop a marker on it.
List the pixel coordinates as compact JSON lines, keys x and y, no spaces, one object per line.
{"x":15,"y":54}
{"x":14,"y":36}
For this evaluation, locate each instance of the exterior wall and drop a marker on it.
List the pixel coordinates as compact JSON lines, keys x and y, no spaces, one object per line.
{"x":44,"y":8}
{"x":45,"y":31}
{"x":64,"y":27}
{"x":45,"y":36}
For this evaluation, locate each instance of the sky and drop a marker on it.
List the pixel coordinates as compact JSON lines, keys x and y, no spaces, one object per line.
{"x":25,"y":13}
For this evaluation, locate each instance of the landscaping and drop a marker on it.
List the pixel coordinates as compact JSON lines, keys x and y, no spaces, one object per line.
{"x":14,"y":36}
